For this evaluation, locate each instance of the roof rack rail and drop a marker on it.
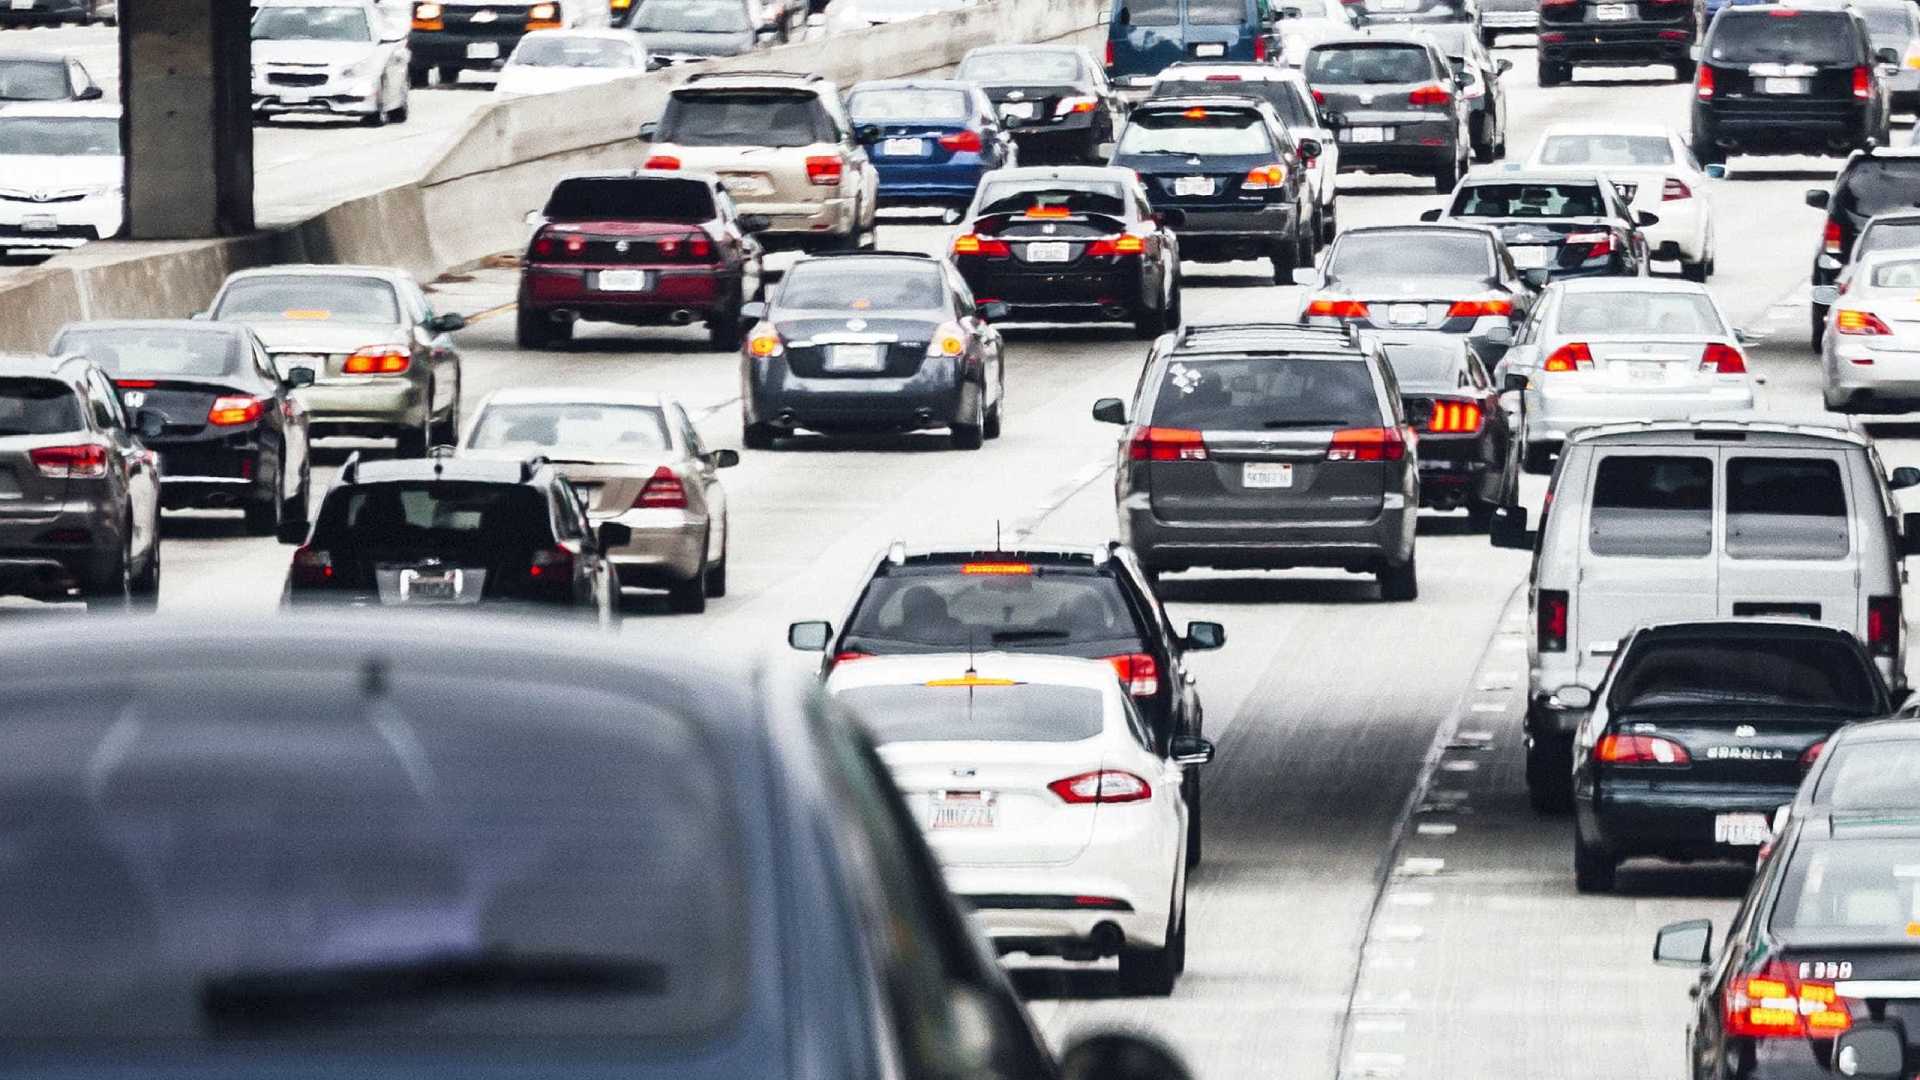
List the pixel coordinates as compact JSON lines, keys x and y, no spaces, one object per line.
{"x":1257,"y":334}
{"x":805,"y":76}
{"x":350,"y":472}
{"x":532,"y":465}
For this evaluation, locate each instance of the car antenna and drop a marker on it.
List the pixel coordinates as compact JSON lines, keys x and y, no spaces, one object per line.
{"x":996,"y":534}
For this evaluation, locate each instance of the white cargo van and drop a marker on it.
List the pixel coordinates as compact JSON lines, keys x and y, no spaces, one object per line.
{"x":1667,"y":521}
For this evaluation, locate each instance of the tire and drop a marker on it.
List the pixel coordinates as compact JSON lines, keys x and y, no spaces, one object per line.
{"x":1488,"y":37}
{"x":716,"y":581}
{"x":967,"y":436}
{"x":1329,"y":225}
{"x":446,"y":431}
{"x":449,"y":74}
{"x":723,"y":328}
{"x":263,"y":515}
{"x":1282,"y":259}
{"x":532,"y":329}
{"x":757,"y":437}
{"x":1194,"y":831}
{"x":419,"y":76}
{"x":990,"y":425}
{"x":377,"y":118}
{"x":1684,"y":70}
{"x":1153,"y":972}
{"x":1594,"y":867}
{"x":399,"y":115}
{"x":144,"y":589}
{"x":1446,"y":175}
{"x":1176,"y":306}
{"x":1537,"y":459}
{"x":688,"y":597}
{"x":414,"y":442}
{"x":1550,"y":774}
{"x":1705,"y":151}
{"x":1552,"y":74}
{"x":1483,"y":141}
{"x":1149,"y":322}
{"x":296,"y":508}
{"x":1480,"y":515}
{"x":1399,"y":584}
{"x":1817,"y":327}
{"x":112,"y":592}
{"x":1696,"y":271}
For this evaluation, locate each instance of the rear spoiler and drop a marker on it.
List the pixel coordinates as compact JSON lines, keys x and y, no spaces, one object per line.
{"x":1079,"y":217}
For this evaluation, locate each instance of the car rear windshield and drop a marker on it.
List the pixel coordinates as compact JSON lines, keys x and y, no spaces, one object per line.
{"x":1793,"y":671}
{"x":30,"y":80}
{"x":211,"y":878}
{"x":1606,"y":150}
{"x":1889,"y":236}
{"x":1652,"y":506}
{"x":1263,"y":393}
{"x":1622,"y":312}
{"x":1783,"y":37}
{"x":156,"y":353}
{"x":1877,"y":185}
{"x":60,"y":136}
{"x":1024,"y":66}
{"x":869,"y":285}
{"x":413,"y":515}
{"x":1427,"y":368}
{"x":1851,"y":892}
{"x":1148,"y":13}
{"x":745,"y":118}
{"x":1284,"y":99}
{"x":37,"y":407}
{"x":1368,"y":65}
{"x":1534,"y":199}
{"x":1217,"y":12}
{"x":1870,"y":774}
{"x":312,"y":24}
{"x":1786,"y":508}
{"x":571,"y":429}
{"x":638,"y":198}
{"x":910,"y":103}
{"x":1018,"y":197}
{"x":691,"y":17}
{"x":1904,"y":274}
{"x":1891,"y":22}
{"x":312,"y":297}
{"x":574,"y":52}
{"x":954,"y":606}
{"x":1411,"y":254}
{"x":1200,"y":132}
{"x":1027,"y":712}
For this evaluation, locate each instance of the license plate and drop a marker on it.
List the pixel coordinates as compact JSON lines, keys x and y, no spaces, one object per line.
{"x":1209,"y":50}
{"x":294,"y":99}
{"x":1193,"y":185}
{"x":1266,"y":474}
{"x":586,"y":492}
{"x":1364,"y":134}
{"x":1407,"y":314}
{"x":856,"y":357}
{"x":22,"y":5}
{"x":1530,"y":258}
{"x":1021,"y":109}
{"x":1052,"y":251}
{"x":483,"y":50}
{"x":623,"y":281}
{"x":964,"y":810}
{"x":39,"y":223}
{"x":1647,"y":373}
{"x":904,"y":148}
{"x":1741,"y":830}
{"x":746,"y":185}
{"x":1777,"y":85}
{"x":418,"y":587}
{"x":1613,"y":12}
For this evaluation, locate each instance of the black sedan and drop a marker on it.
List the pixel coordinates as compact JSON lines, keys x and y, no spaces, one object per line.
{"x":872,"y":342}
{"x":1701,"y":730}
{"x":1447,"y":278}
{"x":1467,"y":450}
{"x":1568,"y":226}
{"x":1054,"y":98}
{"x":235,"y":433}
{"x":1069,"y":244}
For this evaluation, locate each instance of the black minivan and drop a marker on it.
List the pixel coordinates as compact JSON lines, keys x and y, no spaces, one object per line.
{"x":1788,"y":79}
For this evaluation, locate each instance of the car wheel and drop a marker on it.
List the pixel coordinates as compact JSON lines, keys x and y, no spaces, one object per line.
{"x":1552,"y":74}
{"x":419,"y":75}
{"x":717,"y":578}
{"x":966,"y":436}
{"x":1176,"y":306}
{"x":414,"y":442}
{"x":1488,"y":37}
{"x":1282,"y":259}
{"x":446,"y":430}
{"x":723,"y":327}
{"x":1446,"y":174}
{"x":1817,"y":327}
{"x":1401,"y":583}
{"x":1594,"y":867}
{"x":378,"y":117}
{"x":1683,"y":70}
{"x":1550,"y":773}
{"x":1192,"y":783}
{"x":112,"y":591}
{"x":990,"y":425}
{"x":1149,"y":322}
{"x":1329,"y":225}
{"x":1694,"y":271}
{"x":144,"y":589}
{"x":263,"y":514}
{"x":688,"y":597}
{"x":400,"y":114}
{"x":1152,"y":972}
{"x":297,"y":504}
{"x":531,"y":328}
{"x":449,"y":74}
{"x":1480,"y":515}
{"x":1705,"y":151}
{"x":757,"y":437}
{"x":1482,"y":141}
{"x":1537,"y":459}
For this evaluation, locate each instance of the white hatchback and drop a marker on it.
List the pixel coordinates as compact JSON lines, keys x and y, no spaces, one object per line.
{"x":1657,"y":173}
{"x":1036,"y":782}
{"x":546,"y":61}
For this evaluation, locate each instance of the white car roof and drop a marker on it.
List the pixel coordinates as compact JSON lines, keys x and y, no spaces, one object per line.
{"x":1606,"y":127}
{"x":573,"y":395}
{"x":604,"y":35}
{"x":919,"y":669}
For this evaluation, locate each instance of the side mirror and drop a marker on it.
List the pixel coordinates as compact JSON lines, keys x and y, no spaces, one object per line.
{"x":1431,"y":215}
{"x":298,"y":377}
{"x":91,"y":93}
{"x":1537,"y":277}
{"x":1306,"y":275}
{"x":291,"y":532}
{"x":612,"y":535}
{"x":648,"y":130}
{"x":1190,"y":750}
{"x":1514,"y":382}
{"x":448,"y":323}
{"x":1910,"y":534}
{"x":1172,"y":218}
{"x":1817,"y":198}
{"x":1573,"y":697}
{"x":1684,"y":944}
{"x":753,"y":310}
{"x":1310,"y":149}
{"x":1008,"y":123}
{"x":995,"y":310}
{"x":1501,"y":67}
{"x":811,"y":636}
{"x":1887,"y":56}
{"x":1717,"y":171}
{"x":1825,"y":295}
{"x":1509,"y":527}
{"x":867,"y":134}
{"x":1645,"y":219}
{"x":1109,"y":410}
{"x":754,"y":223}
{"x":533,"y":217}
{"x":724,"y":459}
{"x":766,"y":35}
{"x":1872,"y":1051}
{"x":1115,"y":1055}
{"x":1905,"y":476}
{"x":1205,"y":636}
{"x":1500,"y":335}
{"x":149,"y":423}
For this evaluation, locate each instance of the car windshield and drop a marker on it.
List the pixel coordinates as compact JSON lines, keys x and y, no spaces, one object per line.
{"x":1018,"y":197}
{"x":631,"y":198}
{"x":1149,"y":13}
{"x":1200,"y":132}
{"x":1217,"y":12}
{"x":1870,"y":774}
{"x":910,"y":103}
{"x":1904,"y":274}
{"x":691,"y":17}
{"x":1427,"y":368}
{"x":1028,"y":67}
{"x":1606,"y":150}
{"x":1791,"y":671}
{"x":745,"y":119}
{"x":34,"y":80}
{"x":312,"y":24}
{"x":417,"y":864}
{"x":1853,"y":891}
{"x":1533,"y":199}
{"x":60,"y":136}
{"x":1282,"y":96}
{"x":1367,"y":65}
{"x":1888,"y":236}
{"x":1877,"y":185}
{"x":157,"y":353}
{"x":1411,"y":254}
{"x":1262,"y":393}
{"x":875,"y":286}
{"x":1783,"y":36}
{"x":574,"y":52}
{"x":37,"y":407}
{"x":571,"y":429}
{"x":1620,"y":312}
{"x":304,"y":297}
{"x":1027,"y":712}
{"x":946,"y":607}
{"x":1450,"y":38}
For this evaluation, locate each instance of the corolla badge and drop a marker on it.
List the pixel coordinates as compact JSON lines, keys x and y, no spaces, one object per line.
{"x":856,"y":325}
{"x":133,"y":399}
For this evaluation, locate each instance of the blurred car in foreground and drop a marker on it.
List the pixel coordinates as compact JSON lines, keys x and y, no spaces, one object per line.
{"x":1863,"y":767}
{"x":1894,"y":25}
{"x":62,"y":176}
{"x":1653,"y":171}
{"x":937,"y":138}
{"x":1873,"y":335}
{"x":1565,"y":224}
{"x":329,"y":58}
{"x":549,"y":60}
{"x":1055,"y":99}
{"x":1469,"y":457}
{"x":45,"y":76}
{"x":1450,"y":278}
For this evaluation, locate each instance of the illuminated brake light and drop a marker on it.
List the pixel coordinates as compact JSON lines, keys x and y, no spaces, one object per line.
{"x":1069,"y":106}
{"x":1474,"y":309}
{"x":1223,"y":78}
{"x":964,"y":142}
{"x":1167,"y":444}
{"x":136,"y":384}
{"x":1862,"y":83}
{"x":551,"y":562}
{"x":231,"y":409}
{"x":997,"y":569}
{"x":1775,"y":1003}
{"x":1674,"y":190}
{"x":377,"y":360}
{"x":1855,"y":323}
{"x":1811,"y":755}
{"x":1551,"y":620}
{"x":1454,"y":418}
{"x":1048,"y":212}
{"x":1830,"y":239}
{"x":1338,"y":309}
{"x":1109,"y":53}
{"x":429,"y":16}
{"x":663,"y":491}
{"x":1572,"y":356}
{"x":1723,"y":359}
{"x":1703,"y":83}
{"x":1367,"y":444}
{"x":1195,"y":114}
{"x":1121,"y":245}
{"x":1883,"y":625}
{"x":1265,"y":178}
{"x":85,"y":461}
{"x":969,"y":681}
{"x":1640,"y":750}
{"x":1260,"y":49}
{"x":1434,"y":94}
{"x":1138,"y":673}
{"x":825,"y":170}
{"x":312,"y":567}
{"x":975,"y":244}
{"x":545,"y":17}
{"x":665,"y":162}
{"x":1104,"y":786}
{"x":1319,"y":98}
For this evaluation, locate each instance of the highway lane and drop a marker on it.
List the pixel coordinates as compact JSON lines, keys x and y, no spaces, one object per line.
{"x":1332,"y":710}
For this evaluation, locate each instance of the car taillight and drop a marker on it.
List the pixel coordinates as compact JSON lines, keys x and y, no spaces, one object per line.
{"x":1862,"y":82}
{"x":551,"y":563}
{"x":1454,"y":418}
{"x":975,"y":244}
{"x":663,"y":491}
{"x":1703,"y":83}
{"x":1367,"y":444}
{"x":1855,"y":323}
{"x":1723,"y":359}
{"x":1265,"y":178}
{"x":312,"y":567}
{"x":961,"y":142}
{"x":1338,"y":309}
{"x":824,"y":170}
{"x":1776,"y":1003}
{"x":378,"y":360}
{"x":1260,"y":49}
{"x":1674,"y":189}
{"x":1883,"y":625}
{"x":694,"y":247}
{"x":1109,"y":53}
{"x":1069,"y":106}
{"x":1830,"y":239}
{"x":1125,"y":244}
{"x":231,"y":409}
{"x":664,"y":162}
{"x":947,"y":340}
{"x":1811,"y":755}
{"x":1473,"y":309}
{"x":1167,"y":444}
{"x":1104,"y":786}
{"x":1434,"y":94}
{"x":1138,"y":672}
{"x":1319,"y":98}
{"x":85,"y":461}
{"x":1599,"y":244}
{"x":1572,"y":356}
{"x":1640,"y":750}
{"x":547,"y":245}
{"x":1550,"y":618}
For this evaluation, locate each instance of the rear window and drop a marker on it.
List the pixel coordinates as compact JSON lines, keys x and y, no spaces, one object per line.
{"x":1786,"y":508}
{"x":631,"y":199}
{"x":1888,"y":236}
{"x":1652,"y":506}
{"x":156,"y":353}
{"x":1783,"y":37}
{"x":407,"y":515}
{"x":1852,"y":892}
{"x":1870,"y":775}
{"x":1622,"y":312}
{"x":947,"y":608}
{"x":1202,"y":132}
{"x":1411,"y":254}
{"x":877,"y":285}
{"x":578,"y":427}
{"x":309,"y":297}
{"x":38,"y":407}
{"x":1023,"y":713}
{"x":1024,"y":66}
{"x":1089,"y":197}
{"x":1265,"y":394}
{"x":1904,"y":274}
{"x":1278,"y":94}
{"x":28,"y":80}
{"x":1217,"y":12}
{"x":1798,"y":672}
{"x":1368,"y":65}
{"x":311,"y":24}
{"x":1148,"y":13}
{"x":1606,"y":150}
{"x":1877,"y":185}
{"x":691,"y":17}
{"x":745,"y":119}
{"x":910,"y":104}
{"x":1530,"y":200}
{"x":1423,"y":368}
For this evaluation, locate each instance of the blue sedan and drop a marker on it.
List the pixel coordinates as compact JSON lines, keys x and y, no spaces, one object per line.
{"x":937,"y":137}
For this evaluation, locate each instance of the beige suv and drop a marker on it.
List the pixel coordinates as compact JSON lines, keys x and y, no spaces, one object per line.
{"x":783,"y":147}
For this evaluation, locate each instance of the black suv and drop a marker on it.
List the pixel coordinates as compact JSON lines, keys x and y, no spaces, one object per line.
{"x":1395,"y":103}
{"x":1608,"y":33}
{"x":1788,"y":79}
{"x":454,"y":532}
{"x":1872,"y":181}
{"x":1093,"y":603}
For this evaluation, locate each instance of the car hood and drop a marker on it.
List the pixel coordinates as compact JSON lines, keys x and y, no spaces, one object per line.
{"x":330,"y":53}
{"x":44,"y":172}
{"x":323,"y":336}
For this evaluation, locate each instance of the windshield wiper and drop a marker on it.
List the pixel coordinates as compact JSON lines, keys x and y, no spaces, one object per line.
{"x":1001,"y":637}
{"x":1276,"y":425}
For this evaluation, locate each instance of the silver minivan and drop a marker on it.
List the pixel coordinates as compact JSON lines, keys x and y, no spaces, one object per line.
{"x":1666,"y":521}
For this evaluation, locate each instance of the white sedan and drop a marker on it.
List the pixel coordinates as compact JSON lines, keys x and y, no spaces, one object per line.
{"x":1036,"y":782}
{"x":1655,"y":163}
{"x":1870,"y":355}
{"x":550,"y":60}
{"x":329,"y":58}
{"x":61,"y":176}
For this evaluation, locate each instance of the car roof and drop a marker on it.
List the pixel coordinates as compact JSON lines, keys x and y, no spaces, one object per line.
{"x":1894,"y":215}
{"x":319,"y":3}
{"x":1269,"y":339}
{"x":599,"y":33}
{"x":1813,"y":430}
{"x":573,"y":395}
{"x":451,"y":468}
{"x":1610,"y":127}
{"x":1898,"y":729}
{"x":1480,"y":231}
{"x":1247,"y":70}
{"x":755,"y":80}
{"x":898,"y":554}
{"x":1844,"y":825}
{"x":1065,"y":172}
{"x":1363,"y":37}
{"x":1745,"y":626}
{"x":1629,"y":284}
{"x":1022,"y":47}
{"x":1203,"y":101}
{"x":1559,"y":174}
{"x":94,"y":109}
{"x":919,"y":668}
{"x":390,"y":274}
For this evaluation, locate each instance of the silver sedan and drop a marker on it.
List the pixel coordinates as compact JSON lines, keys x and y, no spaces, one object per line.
{"x":635,"y":459}
{"x":1607,"y":350}
{"x":1870,"y":356}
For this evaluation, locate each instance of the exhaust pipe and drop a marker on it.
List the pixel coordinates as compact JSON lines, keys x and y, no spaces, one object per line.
{"x":681,"y":317}
{"x":1106,"y":939}
{"x":564,"y":315}
{"x":1114,"y":311}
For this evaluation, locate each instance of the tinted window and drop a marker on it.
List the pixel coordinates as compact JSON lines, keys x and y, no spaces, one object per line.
{"x":1854,"y":892}
{"x":408,"y":515}
{"x":1280,"y":95}
{"x":1425,"y":368}
{"x":1606,"y":150}
{"x":1621,"y":312}
{"x":157,"y":353}
{"x":949,"y":608}
{"x":745,"y":119}
{"x":1888,"y":236}
{"x":1652,"y":506}
{"x":1215,"y":131}
{"x":1897,"y":275}
{"x":692,"y":17}
{"x":311,"y":24}
{"x":1361,"y":254}
{"x":1026,"y":713}
{"x":1784,"y":37}
{"x":37,"y":407}
{"x":863,"y":286}
{"x":1217,"y":12}
{"x":1150,"y":13}
{"x":1017,"y":197}
{"x":1530,"y":200}
{"x":631,"y":199}
{"x":574,"y":52}
{"x":1870,"y":775}
{"x":1798,"y":672}
{"x":578,"y":427}
{"x":1026,"y":66}
{"x":1877,"y":185}
{"x":1895,"y":24}
{"x":910,"y":104}
{"x":1261,"y":393}
{"x":1366,"y":65}
{"x":310,"y":297}
{"x":28,"y":80}
{"x":60,"y":136}
{"x":1785,"y":508}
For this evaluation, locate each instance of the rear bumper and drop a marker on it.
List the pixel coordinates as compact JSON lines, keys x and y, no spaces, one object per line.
{"x":371,"y":402}
{"x":1387,"y":538}
{"x":702,"y":290}
{"x":799,"y":226}
{"x":1449,"y":482}
{"x":1769,"y":126}
{"x":1636,"y":818}
{"x":33,"y":563}
{"x":668,"y":546}
{"x":1406,"y":153}
{"x":1609,"y":44}
{"x":933,"y":397}
{"x":1552,"y":416}
{"x":911,"y":185}
{"x":214,"y":473}
{"x":1059,"y":290}
{"x":1890,"y":376}
{"x":1211,"y":235}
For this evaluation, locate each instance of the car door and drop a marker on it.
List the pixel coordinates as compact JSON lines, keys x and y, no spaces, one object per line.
{"x":139,"y":472}
{"x":291,"y":420}
{"x":737,"y":242}
{"x":1788,"y":546}
{"x":700,"y":466}
{"x":993,"y":373}
{"x":442,"y":358}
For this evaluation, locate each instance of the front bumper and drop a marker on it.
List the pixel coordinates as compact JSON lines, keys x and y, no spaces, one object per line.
{"x":458,"y":48}
{"x":668,"y":546}
{"x":372,"y":403}
{"x":702,"y":290}
{"x":1674,"y":820}
{"x":1552,"y":415}
{"x":935,"y":396}
{"x":1363,"y":544}
{"x":59,"y":224}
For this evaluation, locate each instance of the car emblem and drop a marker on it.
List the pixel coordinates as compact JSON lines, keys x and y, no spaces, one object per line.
{"x":621,"y":246}
{"x":1745,"y":731}
{"x":964,"y":774}
{"x":42,"y":196}
{"x":1049,"y":229}
{"x":133,"y":399}
{"x":856,"y":325}
{"x":1366,"y":99}
{"x":1016,"y":95}
{"x":483,"y":16}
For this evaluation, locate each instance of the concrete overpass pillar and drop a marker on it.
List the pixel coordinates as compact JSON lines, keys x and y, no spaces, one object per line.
{"x":184,"y":77}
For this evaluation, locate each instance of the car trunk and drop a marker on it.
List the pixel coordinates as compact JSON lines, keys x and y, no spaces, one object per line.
{"x":1901,"y":316}
{"x":915,"y":142}
{"x":323,"y":345}
{"x":1880,"y":981}
{"x":1031,"y":104}
{"x":1535,"y":243}
{"x":611,"y":488}
{"x":1050,"y":245}
{"x":26,"y":496}
{"x":759,"y":174}
{"x":827,"y":346}
{"x":987,"y":803}
{"x":1645,"y":364}
{"x":1728,"y":746}
{"x":1213,"y":182}
{"x":1269,"y":477}
{"x":1409,"y":302}
{"x":183,"y":405}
